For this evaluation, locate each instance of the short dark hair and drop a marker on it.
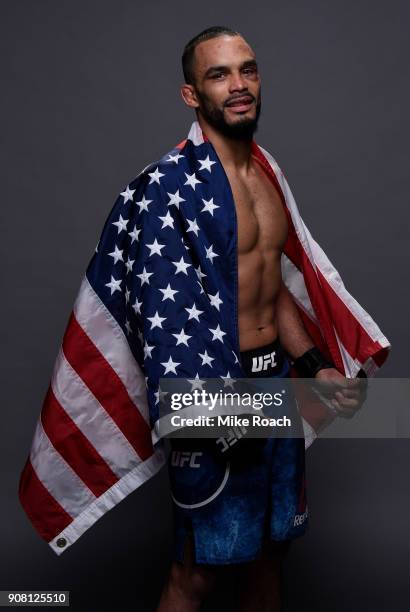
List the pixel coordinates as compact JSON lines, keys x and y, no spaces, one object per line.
{"x":189,"y":49}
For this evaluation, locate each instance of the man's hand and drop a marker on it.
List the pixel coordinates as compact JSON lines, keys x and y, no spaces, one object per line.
{"x":348,"y":394}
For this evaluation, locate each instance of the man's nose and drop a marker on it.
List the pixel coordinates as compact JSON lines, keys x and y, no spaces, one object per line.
{"x":237,"y":82}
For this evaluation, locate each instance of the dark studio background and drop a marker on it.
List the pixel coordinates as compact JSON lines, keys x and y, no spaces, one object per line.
{"x":90,"y":96}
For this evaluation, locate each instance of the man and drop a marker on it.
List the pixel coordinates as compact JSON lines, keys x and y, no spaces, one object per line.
{"x":223,"y":86}
{"x":185,"y":282}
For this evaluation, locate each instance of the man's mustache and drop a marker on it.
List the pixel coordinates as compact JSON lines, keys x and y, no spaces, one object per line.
{"x":242,"y":96}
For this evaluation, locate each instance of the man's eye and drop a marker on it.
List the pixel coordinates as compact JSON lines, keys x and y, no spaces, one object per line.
{"x":217,"y":75}
{"x":249,"y":70}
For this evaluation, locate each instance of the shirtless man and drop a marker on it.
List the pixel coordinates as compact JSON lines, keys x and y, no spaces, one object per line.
{"x":224,"y":87}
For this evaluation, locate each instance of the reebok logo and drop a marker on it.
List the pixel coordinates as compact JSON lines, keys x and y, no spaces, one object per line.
{"x":300,"y":518}
{"x":263,"y":362}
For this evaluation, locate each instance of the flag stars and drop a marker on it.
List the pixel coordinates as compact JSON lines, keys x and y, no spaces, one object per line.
{"x":191,"y":180}
{"x":228,"y":380}
{"x":217,"y":333}
{"x":156,"y":320}
{"x":196,"y":383}
{"x":209,"y":206}
{"x":127,"y":295}
{"x":168,"y":293}
{"x":155,"y":248}
{"x":160,"y":395}
{"x":134,"y":234}
{"x":127,"y":194}
{"x":210,"y":253}
{"x":181,"y":266}
{"x":193,"y":226}
{"x":167,"y":221}
{"x":148,"y":350}
{"x":114,"y":285}
{"x":175,"y":199}
{"x":206,"y":359}
{"x":116,"y":254}
{"x":155,"y":176}
{"x":137,"y":306}
{"x":215,"y":300}
{"x":199,"y":273}
{"x":175,"y":158}
{"x":170,"y":365}
{"x":182,"y":337}
{"x":194,"y":312}
{"x":144,"y":276}
{"x":206,"y":164}
{"x":128,"y":264}
{"x":143,"y":204}
{"x":236,"y":358}
{"x":121,"y":224}
{"x":128,"y":326}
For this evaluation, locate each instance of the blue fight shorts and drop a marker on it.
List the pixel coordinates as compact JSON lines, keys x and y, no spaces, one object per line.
{"x":231,"y":506}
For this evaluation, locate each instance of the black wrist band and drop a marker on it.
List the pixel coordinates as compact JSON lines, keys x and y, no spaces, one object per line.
{"x":309,"y":364}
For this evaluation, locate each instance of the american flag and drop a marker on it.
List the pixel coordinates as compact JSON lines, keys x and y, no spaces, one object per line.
{"x":159,"y":299}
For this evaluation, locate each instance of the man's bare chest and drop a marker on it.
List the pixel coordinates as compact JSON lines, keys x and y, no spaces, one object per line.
{"x":262,"y":222}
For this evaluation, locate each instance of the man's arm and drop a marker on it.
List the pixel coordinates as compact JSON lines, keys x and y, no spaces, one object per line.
{"x":296,"y":341}
{"x":292,"y":333}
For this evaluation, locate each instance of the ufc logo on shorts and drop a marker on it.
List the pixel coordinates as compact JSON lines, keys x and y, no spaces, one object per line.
{"x":181,"y":458}
{"x":263,"y":361}
{"x":235,"y":434}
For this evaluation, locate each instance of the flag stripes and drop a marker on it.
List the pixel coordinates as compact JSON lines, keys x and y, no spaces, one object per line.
{"x":106,"y":386}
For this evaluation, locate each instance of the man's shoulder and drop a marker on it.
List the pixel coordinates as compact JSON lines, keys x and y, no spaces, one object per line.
{"x":167,"y":165}
{"x":152,"y":183}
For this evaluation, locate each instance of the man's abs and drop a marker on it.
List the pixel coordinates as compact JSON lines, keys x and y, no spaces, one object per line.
{"x":262,"y":233}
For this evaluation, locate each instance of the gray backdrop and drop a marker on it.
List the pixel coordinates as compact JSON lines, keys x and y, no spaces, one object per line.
{"x":90,"y":95}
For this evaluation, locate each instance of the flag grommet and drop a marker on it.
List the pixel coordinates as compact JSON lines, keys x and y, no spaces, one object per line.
{"x":61,"y":542}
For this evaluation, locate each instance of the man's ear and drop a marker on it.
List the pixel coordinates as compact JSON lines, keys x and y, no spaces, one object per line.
{"x":189,"y":96}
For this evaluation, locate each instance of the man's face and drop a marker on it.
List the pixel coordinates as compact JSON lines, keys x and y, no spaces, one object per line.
{"x":227,"y":86}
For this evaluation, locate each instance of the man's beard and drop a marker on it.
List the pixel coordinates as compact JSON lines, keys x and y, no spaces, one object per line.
{"x":241,"y":130}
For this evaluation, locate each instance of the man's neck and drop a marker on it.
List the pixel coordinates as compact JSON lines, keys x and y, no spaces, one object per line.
{"x":235,"y":155}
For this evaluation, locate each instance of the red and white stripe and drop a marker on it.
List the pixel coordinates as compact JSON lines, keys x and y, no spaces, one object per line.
{"x":93,"y":444}
{"x":336,"y":322}
{"x":353,"y":339}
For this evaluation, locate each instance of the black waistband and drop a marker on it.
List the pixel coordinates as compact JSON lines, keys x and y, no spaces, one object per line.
{"x":264,"y":360}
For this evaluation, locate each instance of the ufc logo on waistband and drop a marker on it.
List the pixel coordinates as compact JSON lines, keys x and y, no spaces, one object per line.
{"x":263,"y":362}
{"x":180,"y":458}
